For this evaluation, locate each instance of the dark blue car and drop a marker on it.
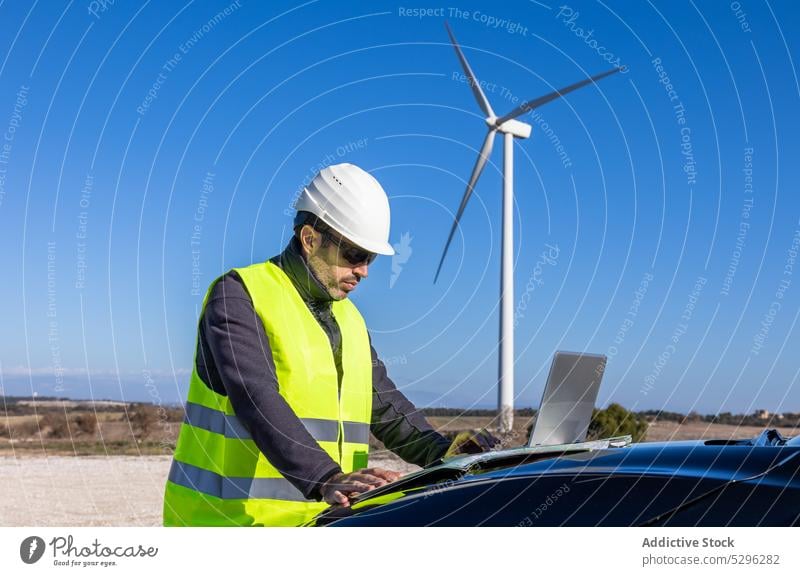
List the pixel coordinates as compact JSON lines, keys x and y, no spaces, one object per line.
{"x":611,"y":482}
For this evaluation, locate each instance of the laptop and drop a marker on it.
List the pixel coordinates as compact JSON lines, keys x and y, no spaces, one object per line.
{"x":568,"y":399}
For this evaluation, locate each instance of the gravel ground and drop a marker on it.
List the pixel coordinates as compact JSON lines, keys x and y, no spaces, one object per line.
{"x":82,"y":491}
{"x":93,"y":491}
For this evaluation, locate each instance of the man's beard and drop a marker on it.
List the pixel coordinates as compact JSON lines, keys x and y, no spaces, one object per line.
{"x":323,"y":273}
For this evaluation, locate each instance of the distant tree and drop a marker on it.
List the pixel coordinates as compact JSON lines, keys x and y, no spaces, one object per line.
{"x":616,"y":421}
{"x":723,"y":418}
{"x":692,"y":417}
{"x":457,"y":412}
{"x":660,"y":415}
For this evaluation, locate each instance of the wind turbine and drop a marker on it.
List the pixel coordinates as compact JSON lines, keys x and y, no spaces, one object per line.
{"x":510,"y":128}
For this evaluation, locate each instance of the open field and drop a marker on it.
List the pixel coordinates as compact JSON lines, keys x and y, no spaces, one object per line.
{"x":46,"y":484}
{"x":664,"y":431}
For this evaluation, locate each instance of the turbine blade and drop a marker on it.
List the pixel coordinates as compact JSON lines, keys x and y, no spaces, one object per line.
{"x":483,"y":102}
{"x":531,"y":104}
{"x":483,"y":156}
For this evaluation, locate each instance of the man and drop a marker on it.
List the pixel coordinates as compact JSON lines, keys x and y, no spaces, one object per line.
{"x":286,"y":385}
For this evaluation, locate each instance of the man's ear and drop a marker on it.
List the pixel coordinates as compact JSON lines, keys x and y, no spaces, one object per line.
{"x":307,"y":239}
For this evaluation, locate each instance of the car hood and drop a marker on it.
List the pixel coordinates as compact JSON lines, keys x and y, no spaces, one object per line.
{"x":717,"y":462}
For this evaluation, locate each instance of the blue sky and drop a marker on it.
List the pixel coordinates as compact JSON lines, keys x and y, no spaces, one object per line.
{"x":147,"y":148}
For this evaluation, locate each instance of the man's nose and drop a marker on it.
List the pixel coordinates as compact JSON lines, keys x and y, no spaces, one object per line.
{"x":361,"y":271}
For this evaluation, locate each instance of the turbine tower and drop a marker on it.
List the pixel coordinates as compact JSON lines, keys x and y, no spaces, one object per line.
{"x":510,"y":128}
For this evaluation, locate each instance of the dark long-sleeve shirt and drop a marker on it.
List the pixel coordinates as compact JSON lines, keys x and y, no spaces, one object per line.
{"x":234,"y":358}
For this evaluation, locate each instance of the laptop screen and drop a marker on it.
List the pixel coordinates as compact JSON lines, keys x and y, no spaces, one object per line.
{"x":568,"y":400}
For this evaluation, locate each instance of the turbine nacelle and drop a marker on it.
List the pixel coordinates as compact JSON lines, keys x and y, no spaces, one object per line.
{"x":514,"y":127}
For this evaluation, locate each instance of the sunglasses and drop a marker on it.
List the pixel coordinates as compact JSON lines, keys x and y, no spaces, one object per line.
{"x":353,"y":254}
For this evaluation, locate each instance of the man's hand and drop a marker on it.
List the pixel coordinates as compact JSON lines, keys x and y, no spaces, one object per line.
{"x":388,"y":475}
{"x":471,"y":443}
{"x":338,"y":489}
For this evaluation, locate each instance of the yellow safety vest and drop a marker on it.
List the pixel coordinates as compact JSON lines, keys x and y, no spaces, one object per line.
{"x":219,"y":477}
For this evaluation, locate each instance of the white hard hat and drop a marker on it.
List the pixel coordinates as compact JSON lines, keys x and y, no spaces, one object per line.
{"x":352,"y":202}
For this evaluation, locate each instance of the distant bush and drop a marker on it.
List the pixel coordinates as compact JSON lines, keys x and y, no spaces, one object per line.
{"x":54,"y":425}
{"x":143,"y":419}
{"x":174,"y":414}
{"x":86,"y":422}
{"x":616,"y":421}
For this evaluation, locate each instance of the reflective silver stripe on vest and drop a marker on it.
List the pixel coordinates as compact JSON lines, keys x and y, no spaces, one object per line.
{"x":215,"y":421}
{"x":230,"y":488}
{"x":230,"y":426}
{"x":356,"y":432}
{"x":322,"y":430}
